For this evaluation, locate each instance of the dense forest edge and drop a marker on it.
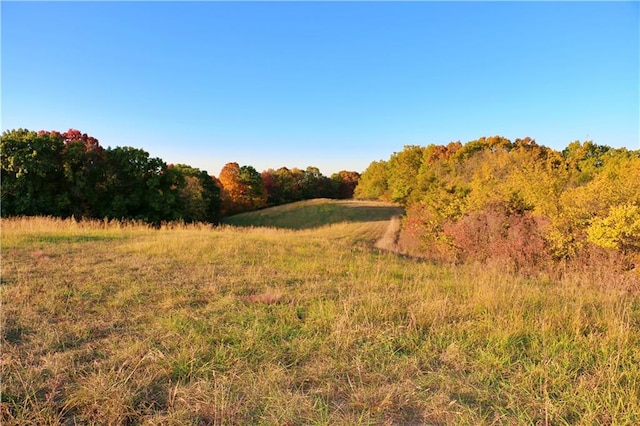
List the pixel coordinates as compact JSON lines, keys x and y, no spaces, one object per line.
{"x":48,"y":173}
{"x":518,"y":204}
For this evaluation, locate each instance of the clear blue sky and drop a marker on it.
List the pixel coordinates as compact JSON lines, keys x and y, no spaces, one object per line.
{"x":335,"y":85}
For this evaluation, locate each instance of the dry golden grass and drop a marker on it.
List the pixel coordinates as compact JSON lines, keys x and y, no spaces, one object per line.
{"x":114,"y":324}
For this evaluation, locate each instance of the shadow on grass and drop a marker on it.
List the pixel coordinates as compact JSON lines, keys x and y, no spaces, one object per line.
{"x":306,"y":215}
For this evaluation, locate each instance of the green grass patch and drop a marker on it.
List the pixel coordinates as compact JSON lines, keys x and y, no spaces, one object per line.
{"x":315,"y":213}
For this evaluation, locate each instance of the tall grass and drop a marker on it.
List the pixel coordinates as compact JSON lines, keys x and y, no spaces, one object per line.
{"x":195,"y":325}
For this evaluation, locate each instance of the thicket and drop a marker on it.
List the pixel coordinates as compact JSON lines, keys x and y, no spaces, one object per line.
{"x":48,"y":173}
{"x":519,"y":204}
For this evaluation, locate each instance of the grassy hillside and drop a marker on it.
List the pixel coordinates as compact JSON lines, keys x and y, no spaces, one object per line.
{"x":316,"y":213}
{"x":114,"y":324}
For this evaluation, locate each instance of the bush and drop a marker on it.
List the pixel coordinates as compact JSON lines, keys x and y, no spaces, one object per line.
{"x":494,"y":235}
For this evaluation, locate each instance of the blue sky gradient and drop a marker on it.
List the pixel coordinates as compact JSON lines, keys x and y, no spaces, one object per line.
{"x":335,"y":85}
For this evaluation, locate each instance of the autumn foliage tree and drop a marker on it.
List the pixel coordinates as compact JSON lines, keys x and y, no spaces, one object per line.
{"x":242,"y":188}
{"x":344,"y":183}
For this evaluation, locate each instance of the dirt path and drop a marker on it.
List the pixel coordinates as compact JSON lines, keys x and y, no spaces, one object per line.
{"x":389,"y":240}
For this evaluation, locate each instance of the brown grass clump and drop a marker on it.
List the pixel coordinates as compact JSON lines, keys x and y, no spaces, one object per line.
{"x":268,"y":297}
{"x":39,"y":255}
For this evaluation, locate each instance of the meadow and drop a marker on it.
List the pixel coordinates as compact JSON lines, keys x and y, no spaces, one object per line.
{"x":301,"y":321}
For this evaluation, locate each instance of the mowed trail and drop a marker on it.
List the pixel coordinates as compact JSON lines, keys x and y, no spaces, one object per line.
{"x":389,"y":240}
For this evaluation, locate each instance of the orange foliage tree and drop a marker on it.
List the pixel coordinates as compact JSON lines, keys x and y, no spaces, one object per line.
{"x":242,"y":188}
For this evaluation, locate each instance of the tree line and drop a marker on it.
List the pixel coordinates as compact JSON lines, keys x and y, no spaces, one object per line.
{"x":517,"y":203}
{"x":70,"y":174}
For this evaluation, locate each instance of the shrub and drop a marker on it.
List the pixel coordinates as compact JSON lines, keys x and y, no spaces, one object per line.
{"x":498,"y":235}
{"x":422,"y":236}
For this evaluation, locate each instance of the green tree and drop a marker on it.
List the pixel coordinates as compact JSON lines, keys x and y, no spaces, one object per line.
{"x":255,"y":195}
{"x":136,"y":186}
{"x":198,"y":195}
{"x":83,"y":165}
{"x":312,"y":181}
{"x":32,"y":175}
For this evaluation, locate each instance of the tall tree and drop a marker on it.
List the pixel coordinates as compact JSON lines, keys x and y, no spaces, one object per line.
{"x":232,"y":187}
{"x":403,"y":169}
{"x":32,"y":174}
{"x":83,"y":165}
{"x":136,"y":186}
{"x":255,"y":195}
{"x":243,"y":189}
{"x":283,"y":185}
{"x":198,"y":195}
{"x":373,"y":182}
{"x":346,"y":182}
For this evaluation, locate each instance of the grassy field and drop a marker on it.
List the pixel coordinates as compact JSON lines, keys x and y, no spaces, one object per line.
{"x":121,"y":324}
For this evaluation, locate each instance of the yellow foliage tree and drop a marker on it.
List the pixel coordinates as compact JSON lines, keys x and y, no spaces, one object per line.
{"x":619,"y":230}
